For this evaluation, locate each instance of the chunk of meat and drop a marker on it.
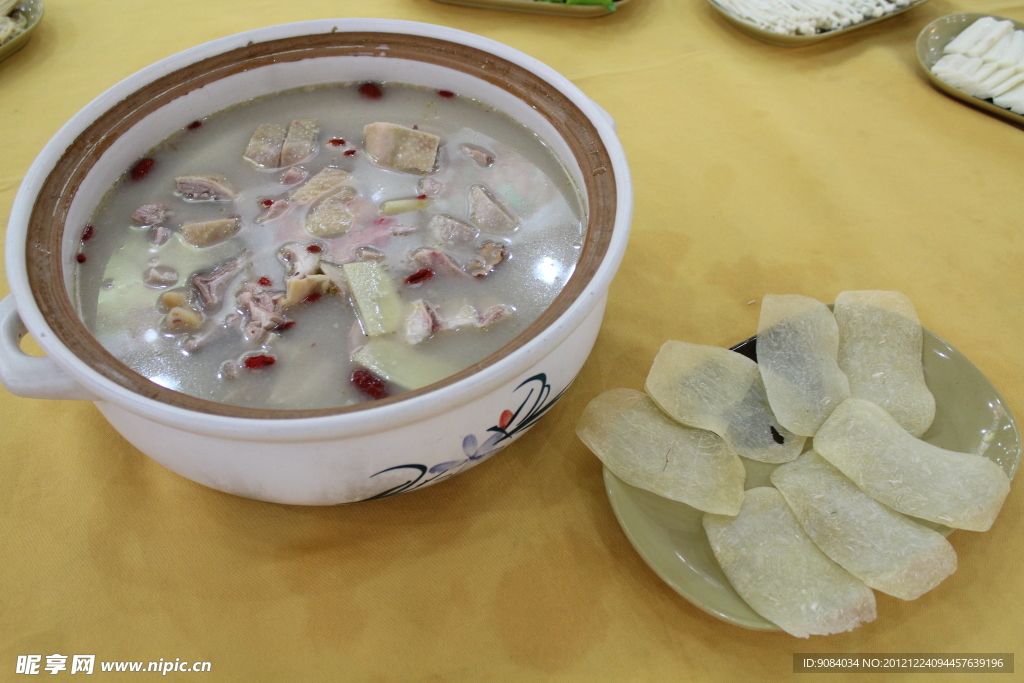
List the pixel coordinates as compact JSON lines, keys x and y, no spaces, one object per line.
{"x":331,"y":217}
{"x":468,"y":316}
{"x":159,"y":277}
{"x":261,"y":309}
{"x":327,"y":180}
{"x":294,"y":176}
{"x":489,"y":256}
{"x":300,"y":141}
{"x":437,"y":261}
{"x":420,"y":323}
{"x":150,"y":214}
{"x":204,"y":188}
{"x":209,"y":233}
{"x":452,"y":231}
{"x":400,"y":148}
{"x":429,"y":186}
{"x":480,"y":156}
{"x":159,"y":234}
{"x":264,"y":147}
{"x":276,"y":210}
{"x":488,"y":213}
{"x":301,"y":287}
{"x":180,"y":319}
{"x":365,"y":253}
{"x":211,"y":286}
{"x":300,"y":258}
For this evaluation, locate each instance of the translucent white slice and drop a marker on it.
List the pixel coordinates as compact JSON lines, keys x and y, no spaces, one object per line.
{"x":884,"y":549}
{"x":973,"y":85}
{"x":880,"y":341}
{"x":967,"y":38}
{"x":797,"y":345}
{"x":960,"y":490}
{"x":779,"y":571}
{"x":989,"y":38}
{"x":997,"y":51}
{"x":644,"y":447}
{"x":711,"y":388}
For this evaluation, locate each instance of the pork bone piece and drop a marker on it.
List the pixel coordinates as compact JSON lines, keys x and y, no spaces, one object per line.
{"x":720,"y":390}
{"x":960,"y":490}
{"x":400,"y":148}
{"x":880,"y":341}
{"x":488,"y":213}
{"x":797,"y":346}
{"x":887,"y":551}
{"x":204,"y":188}
{"x":209,"y":233}
{"x":779,"y":571}
{"x":264,"y":149}
{"x":327,"y":180}
{"x":645,"y":448}
{"x":300,"y":141}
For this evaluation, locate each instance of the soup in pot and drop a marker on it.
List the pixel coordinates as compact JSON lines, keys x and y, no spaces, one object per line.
{"x":329,"y":245}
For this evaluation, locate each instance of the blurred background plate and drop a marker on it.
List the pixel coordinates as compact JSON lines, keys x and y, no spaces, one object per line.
{"x":970,"y":417}
{"x":935,"y":36}
{"x":788,"y":40}
{"x":540,"y":7}
{"x":32,"y":10}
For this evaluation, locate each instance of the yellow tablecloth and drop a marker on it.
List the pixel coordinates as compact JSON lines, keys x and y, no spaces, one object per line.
{"x":757,"y":169}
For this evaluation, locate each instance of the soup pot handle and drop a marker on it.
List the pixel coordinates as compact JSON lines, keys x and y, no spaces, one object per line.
{"x":30,"y":376}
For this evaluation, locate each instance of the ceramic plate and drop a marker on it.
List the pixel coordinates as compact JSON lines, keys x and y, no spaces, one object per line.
{"x":935,"y":36}
{"x":539,"y":7}
{"x":970,"y":416}
{"x":33,"y":11}
{"x":794,"y":41}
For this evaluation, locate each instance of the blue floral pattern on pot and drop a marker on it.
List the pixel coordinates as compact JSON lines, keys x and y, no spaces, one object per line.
{"x":535,"y":403}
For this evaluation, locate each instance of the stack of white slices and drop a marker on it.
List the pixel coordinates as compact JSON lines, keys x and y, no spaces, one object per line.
{"x":839,"y":518}
{"x":809,"y":17}
{"x":986,"y":60}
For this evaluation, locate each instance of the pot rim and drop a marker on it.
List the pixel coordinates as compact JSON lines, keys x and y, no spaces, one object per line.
{"x":369,"y":417}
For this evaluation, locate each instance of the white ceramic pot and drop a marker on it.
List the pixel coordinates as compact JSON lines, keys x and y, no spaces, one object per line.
{"x":313,"y":456}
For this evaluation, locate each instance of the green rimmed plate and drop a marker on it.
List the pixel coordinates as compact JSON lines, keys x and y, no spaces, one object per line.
{"x":970,"y":416}
{"x":32,"y":10}
{"x":935,"y":36}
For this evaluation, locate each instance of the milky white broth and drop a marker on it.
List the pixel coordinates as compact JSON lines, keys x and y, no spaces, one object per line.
{"x":312,"y":365}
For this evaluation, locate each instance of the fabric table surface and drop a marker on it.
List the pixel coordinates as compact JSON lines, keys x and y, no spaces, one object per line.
{"x":757,"y":169}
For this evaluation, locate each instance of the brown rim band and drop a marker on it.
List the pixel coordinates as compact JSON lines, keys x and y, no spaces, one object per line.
{"x":47,"y":224}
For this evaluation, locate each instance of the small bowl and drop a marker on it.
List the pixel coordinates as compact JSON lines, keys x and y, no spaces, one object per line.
{"x":33,"y":12}
{"x":787,"y":40}
{"x":970,"y":417}
{"x":930,"y":43}
{"x":559,"y":9}
{"x":327,"y":456}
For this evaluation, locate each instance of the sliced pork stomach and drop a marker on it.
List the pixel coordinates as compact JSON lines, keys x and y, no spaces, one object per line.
{"x":487,"y":212}
{"x":300,"y":142}
{"x":204,"y":188}
{"x":399,"y":148}
{"x":264,"y":149}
